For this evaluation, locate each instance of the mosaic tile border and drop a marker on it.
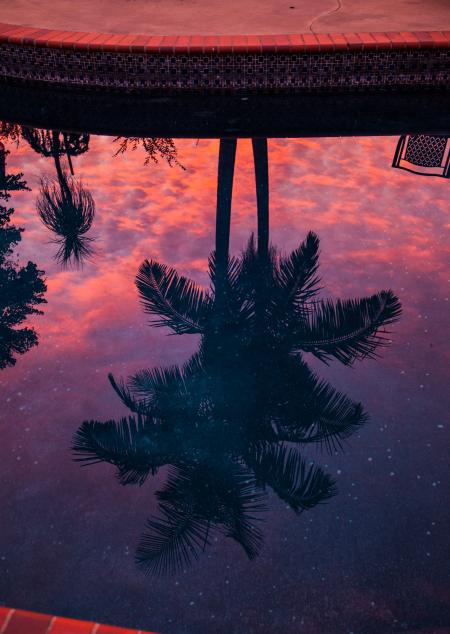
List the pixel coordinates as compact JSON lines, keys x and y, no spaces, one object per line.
{"x":279,"y":62}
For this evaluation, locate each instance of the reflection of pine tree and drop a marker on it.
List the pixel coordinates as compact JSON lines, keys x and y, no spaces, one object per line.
{"x":21,"y":288}
{"x":154,"y":148}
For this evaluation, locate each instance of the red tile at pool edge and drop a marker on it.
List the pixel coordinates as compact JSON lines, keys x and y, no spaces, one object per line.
{"x":254,"y":44}
{"x":225,"y":44}
{"x":210,"y":43}
{"x":353,"y":40}
{"x":112,"y":42}
{"x":97,"y":43}
{"x":396,"y":39}
{"x":411,"y":40}
{"x":5,"y":613}
{"x":339,"y":41}
{"x":167,"y":43}
{"x":140,"y":43}
{"x":28,"y":622}
{"x":424,"y":38}
{"x":297,"y":42}
{"x":440,"y":41}
{"x":32,"y":38}
{"x":268,"y":43}
{"x":18,"y":33}
{"x":56,"y":40}
{"x":110,"y":629}
{"x":71,"y":626}
{"x":310,"y":42}
{"x":382,"y":40}
{"x":282,"y":43}
{"x":4,"y":28}
{"x":367,"y":39}
{"x":83,"y":42}
{"x":239,"y":43}
{"x":325,"y":41}
{"x":124,"y":45}
{"x":182,"y":44}
{"x":196,"y":44}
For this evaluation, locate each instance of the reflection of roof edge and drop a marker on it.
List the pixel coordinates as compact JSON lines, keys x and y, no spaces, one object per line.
{"x":300,"y":43}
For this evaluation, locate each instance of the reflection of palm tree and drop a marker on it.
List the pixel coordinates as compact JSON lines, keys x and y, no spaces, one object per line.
{"x":65,"y":206}
{"x":55,"y":144}
{"x":223,"y":420}
{"x":237,"y":402}
{"x":67,"y":209}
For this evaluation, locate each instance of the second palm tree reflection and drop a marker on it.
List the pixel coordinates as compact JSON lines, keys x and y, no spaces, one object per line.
{"x":229,"y":423}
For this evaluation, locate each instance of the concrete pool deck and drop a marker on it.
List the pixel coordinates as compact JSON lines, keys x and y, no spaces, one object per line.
{"x":230,"y":17}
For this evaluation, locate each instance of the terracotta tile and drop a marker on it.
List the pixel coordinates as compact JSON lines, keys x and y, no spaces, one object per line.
{"x":182,"y":44}
{"x":339,"y":41}
{"x":411,"y":41}
{"x":210,"y":43}
{"x":297,"y":42}
{"x":109,"y":629}
{"x":382,"y":40}
{"x":268,"y":43}
{"x":84,"y":40}
{"x":56,"y":40}
{"x":5,"y":613}
{"x":353,"y":41}
{"x":4,"y":28}
{"x":18,"y":33}
{"x":396,"y":39}
{"x":424,"y":38}
{"x":367,"y":39}
{"x":325,"y":41}
{"x":282,"y":43}
{"x":111,"y":43}
{"x":225,"y":44}
{"x":254,"y":44}
{"x":124,"y":45}
{"x":310,"y":42}
{"x":196,"y":44}
{"x":71,"y":626}
{"x":239,"y":43}
{"x":440,"y":41}
{"x":141,"y":42}
{"x":28,"y":622}
{"x":32,"y":38}
{"x":97,"y":43}
{"x":167,"y":43}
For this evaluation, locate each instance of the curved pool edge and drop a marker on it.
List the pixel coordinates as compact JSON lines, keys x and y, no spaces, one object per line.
{"x":292,"y":62}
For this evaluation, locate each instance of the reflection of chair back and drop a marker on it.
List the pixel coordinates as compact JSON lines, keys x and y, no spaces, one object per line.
{"x":423,"y":154}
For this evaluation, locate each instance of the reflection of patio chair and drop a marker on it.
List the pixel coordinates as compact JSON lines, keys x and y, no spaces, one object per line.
{"x":423,"y":154}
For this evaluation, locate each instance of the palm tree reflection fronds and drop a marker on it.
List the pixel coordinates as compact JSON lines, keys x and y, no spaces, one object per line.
{"x":285,"y":471}
{"x":128,"y":444}
{"x":177,"y":301}
{"x":196,"y":501}
{"x":349,"y":329}
{"x":68,"y":209}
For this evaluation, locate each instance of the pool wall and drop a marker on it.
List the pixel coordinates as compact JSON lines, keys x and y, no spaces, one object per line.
{"x":308,"y":62}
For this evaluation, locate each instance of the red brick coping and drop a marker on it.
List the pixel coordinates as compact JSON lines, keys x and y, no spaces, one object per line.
{"x":22,"y":622}
{"x":172,"y":44}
